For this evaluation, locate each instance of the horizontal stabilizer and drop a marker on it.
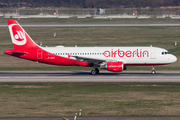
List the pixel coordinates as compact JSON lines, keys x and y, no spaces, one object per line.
{"x":15,"y":52}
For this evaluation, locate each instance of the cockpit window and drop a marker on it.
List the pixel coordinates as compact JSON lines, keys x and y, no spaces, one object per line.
{"x":165,"y":53}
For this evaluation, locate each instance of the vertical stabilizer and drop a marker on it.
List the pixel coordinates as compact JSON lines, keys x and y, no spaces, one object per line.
{"x":20,"y":38}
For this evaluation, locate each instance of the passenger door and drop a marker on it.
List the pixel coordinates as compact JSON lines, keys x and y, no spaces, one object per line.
{"x":153,"y":54}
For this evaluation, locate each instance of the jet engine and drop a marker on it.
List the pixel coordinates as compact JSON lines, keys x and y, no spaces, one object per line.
{"x":113,"y":66}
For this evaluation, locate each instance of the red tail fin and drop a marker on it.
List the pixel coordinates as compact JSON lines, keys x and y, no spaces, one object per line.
{"x":19,"y":36}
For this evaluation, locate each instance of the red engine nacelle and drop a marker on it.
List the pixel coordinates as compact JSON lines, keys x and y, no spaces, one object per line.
{"x":113,"y":66}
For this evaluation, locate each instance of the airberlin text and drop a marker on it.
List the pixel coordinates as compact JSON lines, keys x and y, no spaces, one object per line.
{"x":128,"y":53}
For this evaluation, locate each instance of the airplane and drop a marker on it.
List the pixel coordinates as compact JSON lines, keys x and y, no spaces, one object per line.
{"x":114,"y":59}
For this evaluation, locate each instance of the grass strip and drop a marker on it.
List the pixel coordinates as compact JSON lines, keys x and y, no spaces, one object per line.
{"x":95,"y":99}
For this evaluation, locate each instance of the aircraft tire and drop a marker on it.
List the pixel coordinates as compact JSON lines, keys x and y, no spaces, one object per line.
{"x":153,"y":72}
{"x":97,"y":70}
{"x":93,"y":72}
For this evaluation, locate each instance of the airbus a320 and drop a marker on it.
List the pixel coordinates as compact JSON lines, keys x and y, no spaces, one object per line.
{"x":114,"y":59}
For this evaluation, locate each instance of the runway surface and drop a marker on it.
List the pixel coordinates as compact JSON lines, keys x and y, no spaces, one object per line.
{"x":96,"y":24}
{"x":103,"y":76}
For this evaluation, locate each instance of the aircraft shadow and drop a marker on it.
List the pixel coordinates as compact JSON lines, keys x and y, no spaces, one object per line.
{"x":86,"y":73}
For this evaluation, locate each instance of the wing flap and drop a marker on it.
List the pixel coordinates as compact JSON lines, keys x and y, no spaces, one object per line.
{"x":90,"y":60}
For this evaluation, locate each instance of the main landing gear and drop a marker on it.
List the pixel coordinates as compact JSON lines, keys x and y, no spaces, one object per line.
{"x":153,"y":70}
{"x":95,"y":70}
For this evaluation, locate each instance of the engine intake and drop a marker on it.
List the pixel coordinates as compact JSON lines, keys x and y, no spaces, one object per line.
{"x":113,"y":66}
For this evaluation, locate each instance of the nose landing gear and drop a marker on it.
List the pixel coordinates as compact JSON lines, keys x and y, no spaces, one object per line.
{"x":153,"y":70}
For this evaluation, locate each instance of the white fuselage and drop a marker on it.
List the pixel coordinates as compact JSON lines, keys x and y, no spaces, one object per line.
{"x":128,"y":55}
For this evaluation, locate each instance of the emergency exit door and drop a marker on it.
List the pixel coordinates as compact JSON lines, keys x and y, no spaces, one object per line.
{"x":153,"y":54}
{"x":39,"y":53}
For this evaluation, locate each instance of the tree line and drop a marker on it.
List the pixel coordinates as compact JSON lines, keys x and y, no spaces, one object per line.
{"x":89,"y":3}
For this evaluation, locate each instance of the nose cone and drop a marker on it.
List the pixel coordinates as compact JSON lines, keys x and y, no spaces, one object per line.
{"x":173,"y":58}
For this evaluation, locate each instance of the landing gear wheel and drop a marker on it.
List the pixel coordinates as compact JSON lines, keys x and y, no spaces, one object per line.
{"x":93,"y":72}
{"x":97,"y":70}
{"x":153,"y":72}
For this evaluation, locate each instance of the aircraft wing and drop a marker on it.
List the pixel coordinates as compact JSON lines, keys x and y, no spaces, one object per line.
{"x":91,"y":60}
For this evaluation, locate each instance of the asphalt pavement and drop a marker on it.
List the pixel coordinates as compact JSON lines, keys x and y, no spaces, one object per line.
{"x":103,"y":76}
